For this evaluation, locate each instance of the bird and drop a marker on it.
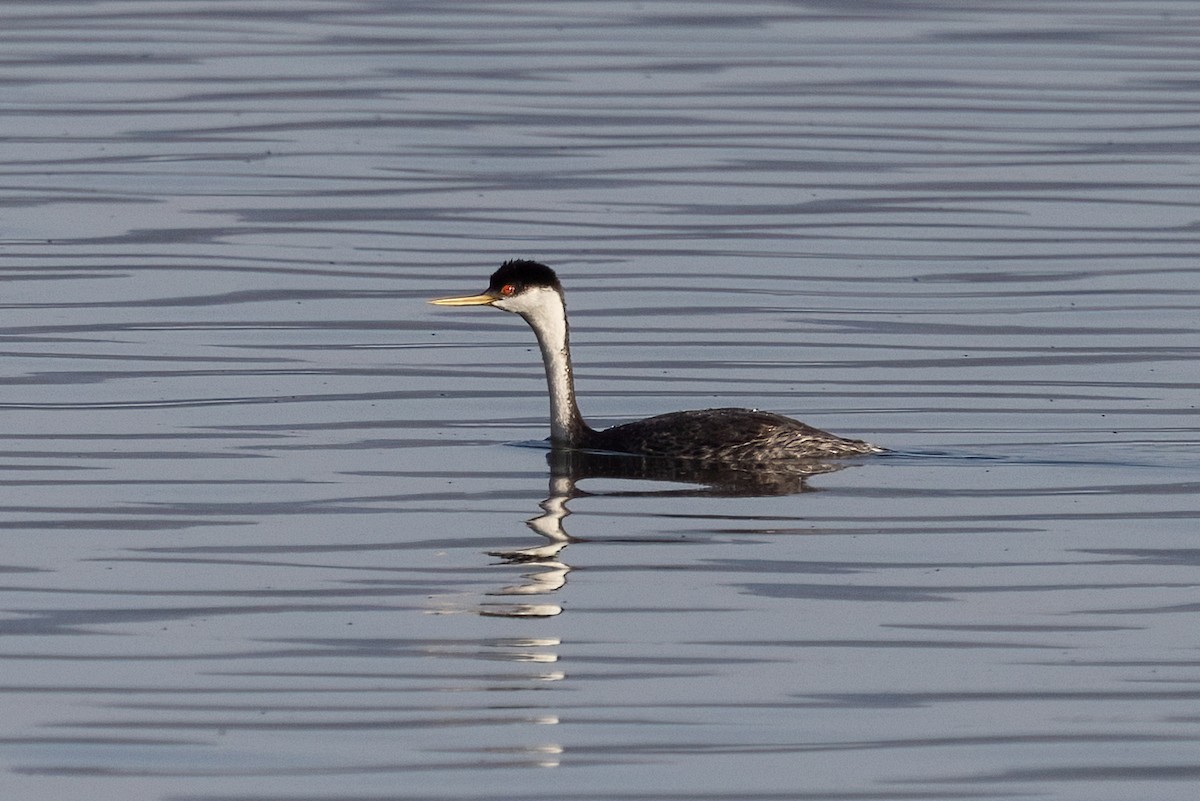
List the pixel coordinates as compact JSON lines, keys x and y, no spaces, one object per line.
{"x":720,"y":436}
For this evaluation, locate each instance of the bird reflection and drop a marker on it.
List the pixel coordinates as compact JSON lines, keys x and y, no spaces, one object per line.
{"x":706,"y":478}
{"x":548,"y":572}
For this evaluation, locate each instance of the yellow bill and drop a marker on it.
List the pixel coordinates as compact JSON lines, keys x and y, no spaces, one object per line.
{"x":466,"y":300}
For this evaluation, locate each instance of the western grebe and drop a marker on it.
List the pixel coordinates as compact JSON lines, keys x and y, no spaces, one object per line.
{"x":532,"y":290}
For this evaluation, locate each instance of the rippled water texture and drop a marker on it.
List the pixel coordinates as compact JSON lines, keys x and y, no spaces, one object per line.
{"x":263,"y":523}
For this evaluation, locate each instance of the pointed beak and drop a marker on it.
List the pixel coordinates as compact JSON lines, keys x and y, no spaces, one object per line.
{"x":466,"y":300}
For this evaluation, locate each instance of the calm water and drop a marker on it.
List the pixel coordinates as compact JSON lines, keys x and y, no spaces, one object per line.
{"x":266,"y":529}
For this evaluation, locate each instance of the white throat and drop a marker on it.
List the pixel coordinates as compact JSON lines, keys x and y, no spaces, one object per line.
{"x":546,"y":313}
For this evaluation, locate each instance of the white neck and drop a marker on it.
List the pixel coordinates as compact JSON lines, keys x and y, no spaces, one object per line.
{"x":546,"y":314}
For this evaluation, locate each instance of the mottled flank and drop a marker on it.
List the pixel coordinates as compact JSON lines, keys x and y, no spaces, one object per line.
{"x":737,"y":435}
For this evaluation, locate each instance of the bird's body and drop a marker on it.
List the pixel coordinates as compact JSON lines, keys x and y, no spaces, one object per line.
{"x":741,"y":436}
{"x":738,"y":435}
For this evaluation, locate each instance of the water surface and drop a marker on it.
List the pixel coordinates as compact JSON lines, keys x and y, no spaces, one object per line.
{"x":268,"y":528}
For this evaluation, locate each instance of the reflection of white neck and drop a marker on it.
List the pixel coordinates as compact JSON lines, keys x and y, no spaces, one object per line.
{"x":546,"y":314}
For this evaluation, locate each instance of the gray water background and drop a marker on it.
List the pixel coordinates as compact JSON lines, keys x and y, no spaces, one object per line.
{"x":251,"y":482}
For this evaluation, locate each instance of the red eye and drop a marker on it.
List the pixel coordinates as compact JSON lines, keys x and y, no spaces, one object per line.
{"x":508,"y":289}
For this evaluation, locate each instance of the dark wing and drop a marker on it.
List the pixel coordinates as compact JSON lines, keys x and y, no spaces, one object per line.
{"x":726,"y":435}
